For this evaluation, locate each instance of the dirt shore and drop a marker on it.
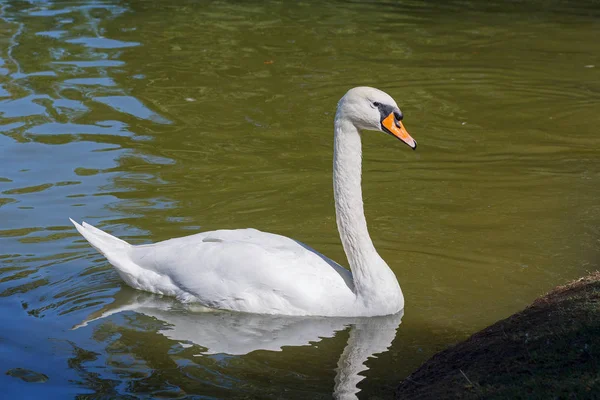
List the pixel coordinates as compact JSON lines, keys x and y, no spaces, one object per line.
{"x":550,"y":350}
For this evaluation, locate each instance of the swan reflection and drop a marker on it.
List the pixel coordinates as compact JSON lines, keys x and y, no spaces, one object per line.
{"x":240,"y":333}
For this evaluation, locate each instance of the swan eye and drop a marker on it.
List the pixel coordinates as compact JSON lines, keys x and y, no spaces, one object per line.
{"x":376,"y":104}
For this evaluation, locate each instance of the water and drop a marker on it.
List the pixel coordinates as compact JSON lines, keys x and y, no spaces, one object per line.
{"x":153,"y":120}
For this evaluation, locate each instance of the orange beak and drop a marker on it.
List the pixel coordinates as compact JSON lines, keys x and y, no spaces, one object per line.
{"x":397,"y":129}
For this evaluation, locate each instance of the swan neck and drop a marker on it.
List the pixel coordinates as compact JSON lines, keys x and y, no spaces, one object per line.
{"x":350,"y":216}
{"x":372,"y":278}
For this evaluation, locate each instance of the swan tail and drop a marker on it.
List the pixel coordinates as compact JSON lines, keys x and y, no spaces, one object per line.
{"x":103,"y":242}
{"x":119,"y":254}
{"x":99,"y":233}
{"x":116,"y":251}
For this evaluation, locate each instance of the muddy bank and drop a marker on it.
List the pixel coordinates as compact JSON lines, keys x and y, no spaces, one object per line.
{"x":549,"y":350}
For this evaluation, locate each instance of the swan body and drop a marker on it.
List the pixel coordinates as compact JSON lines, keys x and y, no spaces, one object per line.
{"x":257,"y":272}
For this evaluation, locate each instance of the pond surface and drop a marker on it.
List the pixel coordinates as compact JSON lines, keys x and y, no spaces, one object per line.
{"x":153,"y":119}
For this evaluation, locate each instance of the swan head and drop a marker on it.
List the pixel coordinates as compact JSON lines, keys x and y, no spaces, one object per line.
{"x":371,"y":109}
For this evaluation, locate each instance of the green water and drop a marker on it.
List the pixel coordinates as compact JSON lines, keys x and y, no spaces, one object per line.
{"x":153,"y":120}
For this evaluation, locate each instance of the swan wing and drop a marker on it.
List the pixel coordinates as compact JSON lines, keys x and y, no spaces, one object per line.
{"x":241,"y":270}
{"x":249,"y":270}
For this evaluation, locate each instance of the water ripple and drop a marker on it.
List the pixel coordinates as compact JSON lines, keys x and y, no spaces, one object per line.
{"x":156,"y":119}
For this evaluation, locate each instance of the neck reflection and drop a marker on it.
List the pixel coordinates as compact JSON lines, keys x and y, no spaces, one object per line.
{"x":236,"y":334}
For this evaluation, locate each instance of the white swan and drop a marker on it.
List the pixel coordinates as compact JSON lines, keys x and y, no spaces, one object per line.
{"x":252,"y":271}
